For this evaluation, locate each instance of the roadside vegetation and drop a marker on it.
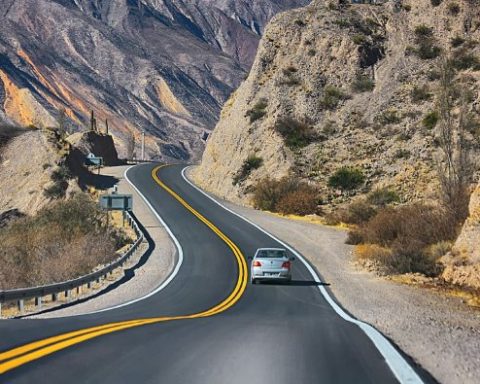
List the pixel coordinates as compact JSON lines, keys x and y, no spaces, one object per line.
{"x":66,"y":240}
{"x":411,"y":238}
{"x":249,"y":165}
{"x":287,"y":196}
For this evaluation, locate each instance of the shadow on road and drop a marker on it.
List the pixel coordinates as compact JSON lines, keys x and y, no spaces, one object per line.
{"x":297,"y":283}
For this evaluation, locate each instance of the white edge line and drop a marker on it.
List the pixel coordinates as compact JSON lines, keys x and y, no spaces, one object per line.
{"x":400,"y":368}
{"x":172,"y":275}
{"x":172,"y":236}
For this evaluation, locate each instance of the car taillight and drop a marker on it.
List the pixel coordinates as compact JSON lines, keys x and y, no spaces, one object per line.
{"x":286,"y":264}
{"x":257,"y":263}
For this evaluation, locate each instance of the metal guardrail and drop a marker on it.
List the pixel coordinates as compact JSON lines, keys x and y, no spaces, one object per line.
{"x":37,"y":293}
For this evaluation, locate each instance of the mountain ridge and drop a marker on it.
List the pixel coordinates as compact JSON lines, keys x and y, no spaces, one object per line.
{"x":165,"y":66}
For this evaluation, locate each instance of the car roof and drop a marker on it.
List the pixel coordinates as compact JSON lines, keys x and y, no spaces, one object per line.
{"x":271,"y":249}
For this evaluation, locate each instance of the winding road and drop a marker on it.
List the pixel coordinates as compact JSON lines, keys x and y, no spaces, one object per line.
{"x":209,"y":324}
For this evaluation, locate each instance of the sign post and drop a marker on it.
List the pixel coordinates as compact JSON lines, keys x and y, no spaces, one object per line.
{"x":95,"y":161}
{"x":116,"y":202}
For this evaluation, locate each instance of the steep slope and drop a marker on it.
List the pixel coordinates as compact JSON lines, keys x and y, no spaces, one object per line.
{"x":353,"y":85}
{"x":165,"y":66}
{"x":25,"y":178}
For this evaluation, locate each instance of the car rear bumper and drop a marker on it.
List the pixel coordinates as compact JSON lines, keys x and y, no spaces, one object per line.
{"x":273,"y":275}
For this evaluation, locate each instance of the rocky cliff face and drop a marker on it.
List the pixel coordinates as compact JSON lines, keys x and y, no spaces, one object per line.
{"x":463,"y":264}
{"x":352,"y":86}
{"x":165,"y":66}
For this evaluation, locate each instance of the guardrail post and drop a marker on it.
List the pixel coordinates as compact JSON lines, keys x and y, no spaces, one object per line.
{"x":67,"y":295}
{"x":0,"y":310}
{"x":54,"y":296}
{"x":89,"y":285}
{"x":38,"y":302}
{"x":21,"y":306}
{"x":79,"y":290}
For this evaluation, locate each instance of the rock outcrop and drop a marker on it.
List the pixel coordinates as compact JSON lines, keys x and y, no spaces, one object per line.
{"x":463,"y":264}
{"x":354,"y":85}
{"x":26,"y":167}
{"x":165,"y":66}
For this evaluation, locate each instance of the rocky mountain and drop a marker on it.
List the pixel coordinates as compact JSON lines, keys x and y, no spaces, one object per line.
{"x":354,"y":85}
{"x":386,"y":92}
{"x":165,"y":66}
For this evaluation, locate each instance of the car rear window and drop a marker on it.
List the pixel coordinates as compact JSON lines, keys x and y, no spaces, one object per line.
{"x":271,"y":253}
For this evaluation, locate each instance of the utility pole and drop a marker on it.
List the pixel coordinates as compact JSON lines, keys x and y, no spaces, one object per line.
{"x":143,"y":145}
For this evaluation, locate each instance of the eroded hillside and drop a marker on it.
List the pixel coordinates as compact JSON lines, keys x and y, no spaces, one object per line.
{"x":165,"y":66}
{"x":354,"y":86}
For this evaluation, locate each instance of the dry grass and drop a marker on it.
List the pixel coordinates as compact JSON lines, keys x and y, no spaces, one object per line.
{"x":67,"y":240}
{"x":416,"y":235}
{"x":286,"y":196}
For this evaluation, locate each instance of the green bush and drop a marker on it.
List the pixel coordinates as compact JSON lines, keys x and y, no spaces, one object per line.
{"x":258,"y":111}
{"x":61,"y":174}
{"x":428,"y":51}
{"x":382,"y":197}
{"x":457,"y":41}
{"x":465,"y":60}
{"x":332,"y":96}
{"x":57,"y":190}
{"x":423,"y":32}
{"x":297,"y":134}
{"x":420,"y":93}
{"x":359,"y":39}
{"x":363,"y":84}
{"x":251,"y":163}
{"x":454,"y":9}
{"x":403,"y":154}
{"x":346,"y":179}
{"x":388,"y":117}
{"x":431,"y":120}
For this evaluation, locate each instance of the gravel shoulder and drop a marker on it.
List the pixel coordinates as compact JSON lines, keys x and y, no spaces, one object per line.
{"x":148,"y":276}
{"x":440,"y":333}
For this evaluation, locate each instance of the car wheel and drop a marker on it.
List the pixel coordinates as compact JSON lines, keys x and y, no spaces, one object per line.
{"x":254,"y":281}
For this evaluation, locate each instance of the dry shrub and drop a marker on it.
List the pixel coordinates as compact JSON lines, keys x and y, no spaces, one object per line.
{"x":356,"y":213}
{"x":409,"y":232}
{"x":64,"y":241}
{"x":287,"y":196}
{"x":372,"y":252}
{"x":303,"y":201}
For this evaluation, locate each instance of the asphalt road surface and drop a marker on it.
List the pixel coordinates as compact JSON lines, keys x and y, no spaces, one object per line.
{"x":208,"y":325}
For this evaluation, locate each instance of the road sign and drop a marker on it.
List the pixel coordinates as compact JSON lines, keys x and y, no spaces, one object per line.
{"x":117,"y":202}
{"x":93,"y":160}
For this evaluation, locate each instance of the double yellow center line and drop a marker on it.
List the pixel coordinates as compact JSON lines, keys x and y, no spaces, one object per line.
{"x":27,"y":353}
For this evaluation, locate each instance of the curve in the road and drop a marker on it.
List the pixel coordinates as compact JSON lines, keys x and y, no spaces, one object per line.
{"x":399,"y":366}
{"x":17,"y":357}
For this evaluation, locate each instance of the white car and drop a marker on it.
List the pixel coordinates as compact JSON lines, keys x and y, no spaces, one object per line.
{"x":271,"y":264}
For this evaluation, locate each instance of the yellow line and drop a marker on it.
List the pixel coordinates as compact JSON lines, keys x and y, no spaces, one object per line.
{"x":17,"y":357}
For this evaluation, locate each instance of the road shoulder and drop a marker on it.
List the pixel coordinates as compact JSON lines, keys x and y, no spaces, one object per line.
{"x":440,"y":333}
{"x":148,"y":276}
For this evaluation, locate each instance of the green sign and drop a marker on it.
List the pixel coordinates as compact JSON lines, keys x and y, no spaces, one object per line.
{"x":93,"y":160}
{"x":117,"y":202}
